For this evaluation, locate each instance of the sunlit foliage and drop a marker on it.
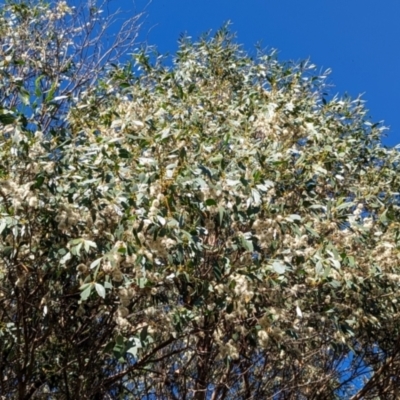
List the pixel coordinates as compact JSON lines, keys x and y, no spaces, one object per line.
{"x":211,"y":229}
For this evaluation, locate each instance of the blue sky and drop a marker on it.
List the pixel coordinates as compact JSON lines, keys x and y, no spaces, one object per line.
{"x":358,"y":39}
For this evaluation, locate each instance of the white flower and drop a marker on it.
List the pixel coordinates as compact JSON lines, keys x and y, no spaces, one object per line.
{"x":33,"y":202}
{"x":263,"y":337}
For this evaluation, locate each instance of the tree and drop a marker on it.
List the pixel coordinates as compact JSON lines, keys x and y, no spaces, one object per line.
{"x":216,"y":229}
{"x":52,"y":52}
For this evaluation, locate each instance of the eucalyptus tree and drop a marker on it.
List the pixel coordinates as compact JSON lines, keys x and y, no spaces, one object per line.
{"x":51,"y":51}
{"x":214,"y":228}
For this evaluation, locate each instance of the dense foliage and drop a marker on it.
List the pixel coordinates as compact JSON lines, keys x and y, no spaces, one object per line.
{"x":213,"y":229}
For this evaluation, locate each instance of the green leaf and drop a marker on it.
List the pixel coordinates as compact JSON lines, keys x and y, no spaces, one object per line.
{"x":383,"y":217}
{"x":319,"y":268}
{"x":39,"y":182}
{"x":143,"y":334}
{"x":51,"y":92}
{"x":351,"y":261}
{"x":294,"y":217}
{"x":86,"y":289}
{"x":136,"y":345}
{"x":312,"y":231}
{"x":108,"y":285}
{"x":123,"y":153}
{"x":217,"y":158}
{"x":217,"y":271}
{"x":346,"y":205}
{"x":38,"y":90}
{"x":221,"y":212}
{"x":278,"y":267}
{"x":88,"y":244}
{"x":100,"y":290}
{"x":3,"y":224}
{"x":335,"y":284}
{"x":65,"y":258}
{"x":76,"y":250}
{"x":266,"y":186}
{"x":6,"y":117}
{"x":24,"y":95}
{"x":210,"y":202}
{"x":256,"y":196}
{"x":119,"y":347}
{"x":247,"y":244}
{"x":95,"y":263}
{"x":133,"y":350}
{"x":172,"y":222}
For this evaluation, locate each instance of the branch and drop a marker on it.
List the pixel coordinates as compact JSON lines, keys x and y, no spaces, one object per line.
{"x":112,"y":379}
{"x":373,"y":381}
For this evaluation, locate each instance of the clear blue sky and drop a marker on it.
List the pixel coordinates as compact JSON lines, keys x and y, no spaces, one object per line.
{"x":358,"y":39}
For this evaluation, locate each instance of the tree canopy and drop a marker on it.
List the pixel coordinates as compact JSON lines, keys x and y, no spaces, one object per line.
{"x":214,"y":227}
